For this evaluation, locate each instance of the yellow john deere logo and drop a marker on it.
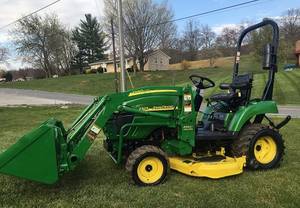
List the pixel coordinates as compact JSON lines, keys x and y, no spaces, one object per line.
{"x":159,"y":108}
{"x":141,"y":92}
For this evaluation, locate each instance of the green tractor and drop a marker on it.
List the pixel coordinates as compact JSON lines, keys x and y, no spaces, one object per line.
{"x":152,"y":129}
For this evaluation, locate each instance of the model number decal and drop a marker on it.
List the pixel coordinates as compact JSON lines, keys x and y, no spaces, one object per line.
{"x":188,"y":128}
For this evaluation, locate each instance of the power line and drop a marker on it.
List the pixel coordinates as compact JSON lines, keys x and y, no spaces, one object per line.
{"x":204,"y":13}
{"x":161,"y":23}
{"x":166,"y":22}
{"x":211,"y":11}
{"x":244,"y":6}
{"x":34,"y":12}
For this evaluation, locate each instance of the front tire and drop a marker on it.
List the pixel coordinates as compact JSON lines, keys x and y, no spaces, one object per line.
{"x":262,"y":145}
{"x":148,"y":165}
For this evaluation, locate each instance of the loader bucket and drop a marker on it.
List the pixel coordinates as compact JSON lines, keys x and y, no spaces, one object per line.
{"x":34,"y":156}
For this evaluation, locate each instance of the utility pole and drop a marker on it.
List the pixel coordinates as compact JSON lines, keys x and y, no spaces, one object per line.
{"x":121,"y":51}
{"x":114,"y":54}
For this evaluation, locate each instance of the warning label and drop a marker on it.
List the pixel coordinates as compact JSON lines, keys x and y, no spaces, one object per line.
{"x":93,"y":132}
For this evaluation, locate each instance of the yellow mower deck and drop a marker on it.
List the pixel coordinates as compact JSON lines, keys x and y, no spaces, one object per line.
{"x":211,"y":169}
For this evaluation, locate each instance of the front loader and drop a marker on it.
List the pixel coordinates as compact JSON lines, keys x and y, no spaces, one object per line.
{"x":151,"y":129}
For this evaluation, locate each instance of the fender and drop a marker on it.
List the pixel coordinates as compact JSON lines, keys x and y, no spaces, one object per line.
{"x":245,"y":113}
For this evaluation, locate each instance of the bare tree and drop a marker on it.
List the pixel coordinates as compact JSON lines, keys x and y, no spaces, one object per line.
{"x":207,"y":36}
{"x":44,"y":42}
{"x":32,"y":44}
{"x":167,"y":32}
{"x":258,"y":39}
{"x":2,"y":73}
{"x":66,"y":53}
{"x":213,"y":54}
{"x":290,"y":33}
{"x":142,"y":26}
{"x":62,"y":48}
{"x":3,"y":54}
{"x":290,"y":24}
{"x":179,"y":44}
{"x":228,"y":37}
{"x":192,"y":39}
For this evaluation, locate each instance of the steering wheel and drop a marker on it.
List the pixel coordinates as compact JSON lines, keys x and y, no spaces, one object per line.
{"x":199,"y":82}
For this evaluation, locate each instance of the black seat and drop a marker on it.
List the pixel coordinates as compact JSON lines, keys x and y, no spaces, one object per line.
{"x":239,"y":91}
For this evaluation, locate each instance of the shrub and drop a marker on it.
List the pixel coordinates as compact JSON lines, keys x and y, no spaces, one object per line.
{"x":185,"y":64}
{"x":8,"y":76}
{"x":90,"y":71}
{"x":130,"y":69}
{"x":2,"y":73}
{"x":101,"y":70}
{"x":39,"y":75}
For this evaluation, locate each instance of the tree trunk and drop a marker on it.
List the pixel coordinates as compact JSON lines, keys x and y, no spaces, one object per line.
{"x":134,"y":66}
{"x":141,"y":62}
{"x":211,"y":62}
{"x":142,"y":65}
{"x":46,"y":69}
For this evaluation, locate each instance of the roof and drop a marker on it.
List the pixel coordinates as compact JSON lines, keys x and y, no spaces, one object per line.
{"x":107,"y":61}
{"x":150,"y":53}
{"x":102,"y":62}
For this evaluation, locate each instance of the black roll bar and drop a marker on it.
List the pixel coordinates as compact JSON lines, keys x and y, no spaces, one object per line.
{"x":268,"y":91}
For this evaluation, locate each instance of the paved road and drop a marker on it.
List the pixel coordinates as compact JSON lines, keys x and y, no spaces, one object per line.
{"x":37,"y":97}
{"x":294,"y":111}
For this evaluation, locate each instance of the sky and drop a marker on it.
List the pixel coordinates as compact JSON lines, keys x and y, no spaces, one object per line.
{"x":71,"y":11}
{"x":252,"y":12}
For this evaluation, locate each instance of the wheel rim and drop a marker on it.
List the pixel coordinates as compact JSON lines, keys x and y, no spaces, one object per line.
{"x":150,"y":170}
{"x":265,"y":150}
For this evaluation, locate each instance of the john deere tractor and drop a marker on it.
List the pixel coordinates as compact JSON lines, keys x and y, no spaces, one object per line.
{"x":150,"y":130}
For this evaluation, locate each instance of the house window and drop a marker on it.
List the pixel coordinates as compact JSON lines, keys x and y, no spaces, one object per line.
{"x":156,"y":60}
{"x":161,"y":61}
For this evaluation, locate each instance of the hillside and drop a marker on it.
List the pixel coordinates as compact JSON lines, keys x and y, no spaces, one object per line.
{"x":99,"y":84}
{"x":226,"y":61}
{"x":286,"y":89}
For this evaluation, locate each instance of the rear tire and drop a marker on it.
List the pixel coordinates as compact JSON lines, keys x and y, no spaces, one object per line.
{"x":148,"y":165}
{"x":262,"y":145}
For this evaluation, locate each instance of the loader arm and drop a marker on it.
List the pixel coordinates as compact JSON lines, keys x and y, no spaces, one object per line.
{"x":48,"y":151}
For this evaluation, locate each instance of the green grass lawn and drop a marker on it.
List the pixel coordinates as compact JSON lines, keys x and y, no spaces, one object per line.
{"x":286,"y":90}
{"x":99,"y":84}
{"x":98,"y":182}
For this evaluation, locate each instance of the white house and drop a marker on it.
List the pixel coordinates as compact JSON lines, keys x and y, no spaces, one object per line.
{"x":157,"y":60}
